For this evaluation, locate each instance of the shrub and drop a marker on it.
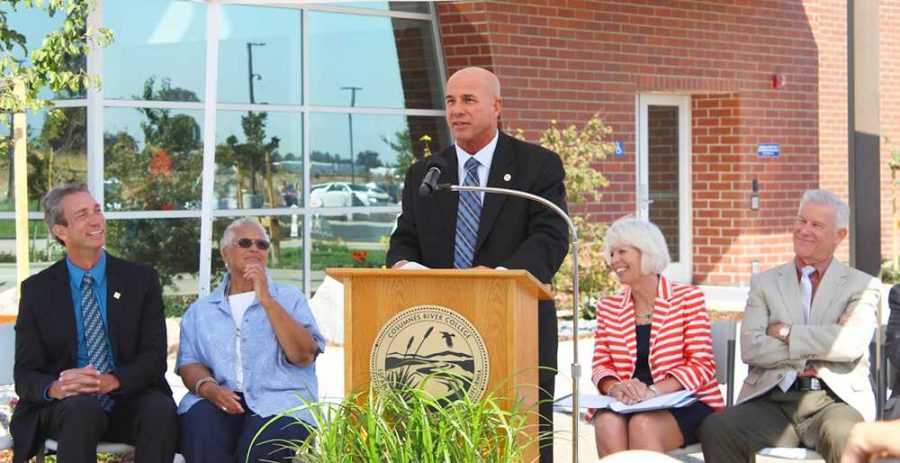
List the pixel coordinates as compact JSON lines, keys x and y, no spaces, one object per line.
{"x":406,"y":425}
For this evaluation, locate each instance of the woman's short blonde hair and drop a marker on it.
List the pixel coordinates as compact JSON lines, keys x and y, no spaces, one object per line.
{"x":643,"y":236}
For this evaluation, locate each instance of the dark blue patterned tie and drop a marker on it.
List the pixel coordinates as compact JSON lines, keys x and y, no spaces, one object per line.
{"x":95,"y":333}
{"x":467,"y":217}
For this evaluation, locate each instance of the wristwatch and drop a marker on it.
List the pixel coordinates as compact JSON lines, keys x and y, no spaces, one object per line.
{"x":784,"y":333}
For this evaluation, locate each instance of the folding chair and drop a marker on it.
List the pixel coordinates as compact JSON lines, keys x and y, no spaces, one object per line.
{"x":878,"y":375}
{"x":724,"y":342}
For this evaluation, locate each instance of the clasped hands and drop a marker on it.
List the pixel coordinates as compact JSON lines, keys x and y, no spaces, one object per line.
{"x":86,"y":380}
{"x":631,"y":391}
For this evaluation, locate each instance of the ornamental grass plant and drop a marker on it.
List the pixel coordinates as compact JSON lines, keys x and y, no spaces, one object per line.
{"x":409,"y":425}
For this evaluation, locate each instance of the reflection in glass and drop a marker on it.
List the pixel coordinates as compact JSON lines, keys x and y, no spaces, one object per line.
{"x":153,"y":159}
{"x":43,"y":250}
{"x":57,"y":153}
{"x":171,"y":246}
{"x":260,"y":55}
{"x":663,"y":159}
{"x":385,"y":147}
{"x":285,"y":263}
{"x":259,"y":160}
{"x":34,"y":25}
{"x":349,"y":240}
{"x":345,"y":49}
{"x":155,"y":40}
{"x":411,"y":7}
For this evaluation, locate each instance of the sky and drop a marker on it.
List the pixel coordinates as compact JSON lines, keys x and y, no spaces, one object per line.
{"x":165,"y":39}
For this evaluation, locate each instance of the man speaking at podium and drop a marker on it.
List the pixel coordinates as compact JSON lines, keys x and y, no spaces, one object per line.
{"x":474,"y":230}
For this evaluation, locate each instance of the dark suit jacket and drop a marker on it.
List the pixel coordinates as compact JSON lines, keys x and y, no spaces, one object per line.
{"x":513,"y":232}
{"x":46,"y":338}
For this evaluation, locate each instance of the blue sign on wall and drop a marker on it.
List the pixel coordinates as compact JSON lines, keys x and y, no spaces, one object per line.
{"x":768,"y":150}
{"x":620,"y":148}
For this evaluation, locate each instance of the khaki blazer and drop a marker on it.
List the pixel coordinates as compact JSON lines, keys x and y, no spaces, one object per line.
{"x":838,"y":352}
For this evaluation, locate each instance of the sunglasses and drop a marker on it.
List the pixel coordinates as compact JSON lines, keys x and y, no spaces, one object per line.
{"x":245,"y":243}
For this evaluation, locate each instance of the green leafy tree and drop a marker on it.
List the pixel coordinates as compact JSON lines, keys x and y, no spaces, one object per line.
{"x":368,"y":159}
{"x":164,"y":174}
{"x":57,"y":64}
{"x":581,"y":152}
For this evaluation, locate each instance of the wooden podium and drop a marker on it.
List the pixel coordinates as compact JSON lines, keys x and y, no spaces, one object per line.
{"x":501,"y":306}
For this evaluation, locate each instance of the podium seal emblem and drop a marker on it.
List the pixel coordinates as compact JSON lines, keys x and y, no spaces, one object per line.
{"x":434,"y":343}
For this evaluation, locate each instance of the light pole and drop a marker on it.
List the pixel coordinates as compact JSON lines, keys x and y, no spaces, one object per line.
{"x":250,"y":74}
{"x":353,"y":91}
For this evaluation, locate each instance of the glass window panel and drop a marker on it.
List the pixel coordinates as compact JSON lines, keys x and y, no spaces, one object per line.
{"x":345,"y":49}
{"x":153,"y":159}
{"x":260,"y":49}
{"x":57,"y":153}
{"x":411,"y":7}
{"x":349,"y":240}
{"x":43,"y":251}
{"x":385,"y":147}
{"x":36,"y":24}
{"x":664,"y":188}
{"x":285,"y":264}
{"x":259,"y":159}
{"x":156,"y":41}
{"x":171,"y":246}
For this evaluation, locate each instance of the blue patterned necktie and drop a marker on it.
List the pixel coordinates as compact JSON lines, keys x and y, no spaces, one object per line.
{"x":467,"y":218}
{"x":95,"y":333}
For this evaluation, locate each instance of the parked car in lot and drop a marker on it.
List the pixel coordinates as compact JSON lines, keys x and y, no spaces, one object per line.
{"x":345,"y":194}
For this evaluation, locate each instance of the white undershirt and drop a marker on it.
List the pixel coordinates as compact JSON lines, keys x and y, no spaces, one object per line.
{"x":239,"y":304}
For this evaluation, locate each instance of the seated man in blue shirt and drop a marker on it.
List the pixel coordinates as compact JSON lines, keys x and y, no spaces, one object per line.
{"x":91,"y":346}
{"x":246,"y":353}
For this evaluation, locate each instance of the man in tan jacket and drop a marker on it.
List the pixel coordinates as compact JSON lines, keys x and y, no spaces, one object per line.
{"x":805,"y":334}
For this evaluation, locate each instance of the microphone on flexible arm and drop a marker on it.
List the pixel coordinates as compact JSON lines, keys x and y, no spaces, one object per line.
{"x":573,"y":250}
{"x":435,"y":166}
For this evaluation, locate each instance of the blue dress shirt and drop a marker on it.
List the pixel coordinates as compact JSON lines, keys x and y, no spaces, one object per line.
{"x":75,"y":276}
{"x":271,"y":382}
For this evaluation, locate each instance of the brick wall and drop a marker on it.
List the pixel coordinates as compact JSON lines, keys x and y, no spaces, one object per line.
{"x":569,"y":60}
{"x":889,"y":15}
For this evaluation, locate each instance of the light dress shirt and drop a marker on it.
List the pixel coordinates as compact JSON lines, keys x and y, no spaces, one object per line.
{"x":485,"y":157}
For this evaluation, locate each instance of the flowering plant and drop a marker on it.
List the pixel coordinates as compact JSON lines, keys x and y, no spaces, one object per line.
{"x":361,"y":259}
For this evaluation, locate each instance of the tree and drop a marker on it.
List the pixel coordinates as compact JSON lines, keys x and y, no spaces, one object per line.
{"x":165,"y":174}
{"x":57,"y":64}
{"x":368,"y":159}
{"x":581,"y":151}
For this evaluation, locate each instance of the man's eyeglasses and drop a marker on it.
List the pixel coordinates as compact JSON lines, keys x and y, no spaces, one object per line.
{"x":245,"y":243}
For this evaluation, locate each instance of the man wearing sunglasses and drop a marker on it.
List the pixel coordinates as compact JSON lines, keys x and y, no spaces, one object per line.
{"x":247,"y":353}
{"x":91,"y":346}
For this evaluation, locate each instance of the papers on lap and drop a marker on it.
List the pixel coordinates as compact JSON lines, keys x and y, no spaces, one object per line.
{"x":672,"y":400}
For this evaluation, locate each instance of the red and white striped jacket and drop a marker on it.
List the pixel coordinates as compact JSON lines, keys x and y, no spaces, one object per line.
{"x":680,"y":340}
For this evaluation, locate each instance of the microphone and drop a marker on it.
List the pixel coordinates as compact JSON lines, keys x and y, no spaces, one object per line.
{"x":436,"y":165}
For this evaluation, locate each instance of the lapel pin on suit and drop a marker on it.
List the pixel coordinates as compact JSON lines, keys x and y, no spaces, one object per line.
{"x":507,"y":177}
{"x":117,"y":295}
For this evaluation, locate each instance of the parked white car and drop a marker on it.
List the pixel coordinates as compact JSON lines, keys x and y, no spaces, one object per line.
{"x":344,"y":194}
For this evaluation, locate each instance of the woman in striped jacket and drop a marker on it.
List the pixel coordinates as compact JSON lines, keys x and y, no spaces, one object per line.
{"x":651,"y":339}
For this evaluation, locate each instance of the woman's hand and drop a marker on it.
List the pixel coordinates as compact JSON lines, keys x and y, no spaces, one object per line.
{"x":223,"y":398}
{"x":255,"y":272}
{"x":630,"y":391}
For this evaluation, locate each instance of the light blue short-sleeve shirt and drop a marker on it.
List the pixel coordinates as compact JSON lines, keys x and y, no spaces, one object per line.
{"x":271,"y":382}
